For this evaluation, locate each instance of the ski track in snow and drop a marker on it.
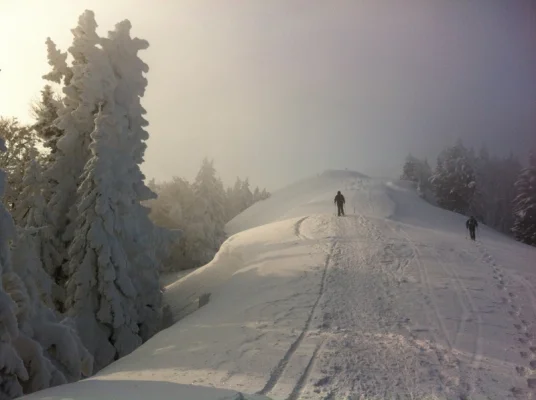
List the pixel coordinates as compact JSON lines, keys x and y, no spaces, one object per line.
{"x":281,"y":366}
{"x":465,"y":380}
{"x":525,"y":329}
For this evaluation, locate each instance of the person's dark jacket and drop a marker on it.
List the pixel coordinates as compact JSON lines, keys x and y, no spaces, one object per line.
{"x":339,"y":199}
{"x":471,"y":223}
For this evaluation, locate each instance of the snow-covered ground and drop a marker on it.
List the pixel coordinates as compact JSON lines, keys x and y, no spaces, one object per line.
{"x":392,"y":299}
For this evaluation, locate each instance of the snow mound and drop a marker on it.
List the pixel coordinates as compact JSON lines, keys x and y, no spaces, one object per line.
{"x":314,"y":195}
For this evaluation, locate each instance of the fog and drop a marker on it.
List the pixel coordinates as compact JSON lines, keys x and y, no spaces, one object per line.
{"x":277,"y":89}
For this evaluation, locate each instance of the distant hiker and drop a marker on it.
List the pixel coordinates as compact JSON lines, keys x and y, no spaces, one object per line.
{"x":472,"y":224}
{"x":339,"y":200}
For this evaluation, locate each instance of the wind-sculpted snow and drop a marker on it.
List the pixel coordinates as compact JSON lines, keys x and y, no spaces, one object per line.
{"x":390,"y":301}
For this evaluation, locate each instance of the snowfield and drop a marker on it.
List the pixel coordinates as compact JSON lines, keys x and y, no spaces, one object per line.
{"x":390,"y":301}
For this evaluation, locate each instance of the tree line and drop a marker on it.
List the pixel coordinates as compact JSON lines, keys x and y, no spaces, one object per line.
{"x":498,"y":191}
{"x":199,"y":212}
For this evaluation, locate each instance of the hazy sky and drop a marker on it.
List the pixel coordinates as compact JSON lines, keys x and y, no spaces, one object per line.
{"x":281,"y":89}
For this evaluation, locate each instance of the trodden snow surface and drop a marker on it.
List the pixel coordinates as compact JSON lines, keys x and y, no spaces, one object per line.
{"x":390,"y":301}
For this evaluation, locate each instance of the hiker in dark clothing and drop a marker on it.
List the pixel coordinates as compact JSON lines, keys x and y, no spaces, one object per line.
{"x":472,"y":224}
{"x":339,"y":200}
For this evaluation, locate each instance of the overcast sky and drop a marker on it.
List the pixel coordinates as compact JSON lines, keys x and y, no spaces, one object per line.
{"x":281,"y":89}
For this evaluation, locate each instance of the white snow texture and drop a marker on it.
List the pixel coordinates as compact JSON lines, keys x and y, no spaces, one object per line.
{"x":390,"y":300}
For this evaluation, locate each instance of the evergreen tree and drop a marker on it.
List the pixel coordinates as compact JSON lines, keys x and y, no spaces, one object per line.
{"x":480,"y":206}
{"x":32,"y":213}
{"x":524,"y":228}
{"x":265,"y":195}
{"x":12,"y":369}
{"x":46,"y":113}
{"x":209,"y":212}
{"x":21,"y":148}
{"x":142,"y":238}
{"x":234,"y":202}
{"x":82,"y":93}
{"x":454,"y":180}
{"x":100,"y":292}
{"x":246,"y":197}
{"x":37,"y":350}
{"x":256,"y":195}
{"x":60,"y":72}
{"x":411,"y":169}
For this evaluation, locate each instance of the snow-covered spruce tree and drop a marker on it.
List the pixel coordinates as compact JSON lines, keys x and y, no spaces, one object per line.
{"x":61,"y":72}
{"x":256,"y":194}
{"x":246,"y":197}
{"x":265,"y":194}
{"x":524,"y":228}
{"x":45,"y":113}
{"x":83,"y":90}
{"x":173,"y":209}
{"x":12,"y":369}
{"x":208,"y":219}
{"x":419,"y":172}
{"x":100,"y":292}
{"x":411,"y":169}
{"x":50,"y":347}
{"x":21,"y":148}
{"x":480,"y":206}
{"x":142,"y":240}
{"x":37,"y":351}
{"x":453,"y":179}
{"x":507,"y":172}
{"x":234,"y":202}
{"x":32,"y":213}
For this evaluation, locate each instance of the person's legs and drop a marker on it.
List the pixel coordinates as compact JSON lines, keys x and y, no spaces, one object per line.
{"x":339,"y":209}
{"x":472,"y":233}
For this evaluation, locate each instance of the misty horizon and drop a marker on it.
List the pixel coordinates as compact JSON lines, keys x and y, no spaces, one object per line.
{"x":277,"y":92}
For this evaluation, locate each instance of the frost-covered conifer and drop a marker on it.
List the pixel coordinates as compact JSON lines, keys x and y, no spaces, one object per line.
{"x":524,"y":228}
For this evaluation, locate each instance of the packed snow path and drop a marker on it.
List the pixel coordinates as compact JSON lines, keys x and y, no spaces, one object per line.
{"x":390,"y":301}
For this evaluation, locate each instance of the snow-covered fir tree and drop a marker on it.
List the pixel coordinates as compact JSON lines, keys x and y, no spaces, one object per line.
{"x":46,"y":112}
{"x":419,"y":172}
{"x":265,"y":194}
{"x":141,"y":238}
{"x":209,"y":217}
{"x":173,"y":209}
{"x":61,"y":72}
{"x":524,"y":228}
{"x":454,"y":180}
{"x":411,"y":169}
{"x":32,"y":212}
{"x":256,"y":194}
{"x":83,"y":91}
{"x":480,"y":206}
{"x":50,"y":346}
{"x":21,"y":149}
{"x":12,"y":369}
{"x":100,"y":292}
{"x":504,"y":192}
{"x":234,"y":202}
{"x":38,"y":350}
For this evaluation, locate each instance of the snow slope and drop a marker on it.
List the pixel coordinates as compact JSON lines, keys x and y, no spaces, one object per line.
{"x":300,"y":304}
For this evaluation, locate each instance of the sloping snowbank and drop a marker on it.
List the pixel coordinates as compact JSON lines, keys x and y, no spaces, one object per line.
{"x":315,"y":195}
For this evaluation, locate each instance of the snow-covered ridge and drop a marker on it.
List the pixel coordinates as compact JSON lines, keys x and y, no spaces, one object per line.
{"x":302,"y":304}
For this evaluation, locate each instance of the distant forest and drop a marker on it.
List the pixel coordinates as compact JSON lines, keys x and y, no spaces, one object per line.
{"x":499,"y":191}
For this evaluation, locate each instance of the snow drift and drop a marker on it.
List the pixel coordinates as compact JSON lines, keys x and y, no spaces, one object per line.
{"x":298,"y":303}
